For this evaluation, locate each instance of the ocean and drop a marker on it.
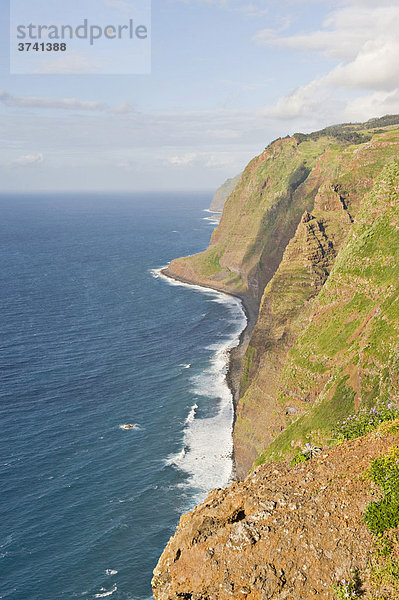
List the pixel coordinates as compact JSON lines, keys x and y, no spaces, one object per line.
{"x":93,"y":339}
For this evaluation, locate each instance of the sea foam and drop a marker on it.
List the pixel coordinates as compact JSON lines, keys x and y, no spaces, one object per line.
{"x":105,"y":593}
{"x":207,"y":453}
{"x":211,"y":220}
{"x":191,"y":415}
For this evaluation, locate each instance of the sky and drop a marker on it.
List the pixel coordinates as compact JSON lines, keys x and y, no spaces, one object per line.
{"x":227,"y":77}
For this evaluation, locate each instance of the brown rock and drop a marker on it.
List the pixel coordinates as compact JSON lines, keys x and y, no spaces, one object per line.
{"x":284,"y":532}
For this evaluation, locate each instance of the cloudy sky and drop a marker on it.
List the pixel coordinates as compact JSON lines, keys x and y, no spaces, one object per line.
{"x":228,"y":76}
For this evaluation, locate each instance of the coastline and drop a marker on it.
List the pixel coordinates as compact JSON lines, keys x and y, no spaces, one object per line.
{"x":236,"y":354}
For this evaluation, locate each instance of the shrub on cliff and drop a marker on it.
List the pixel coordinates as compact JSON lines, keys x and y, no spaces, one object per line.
{"x":307,"y":453}
{"x":384,"y":514}
{"x":348,"y":589}
{"x":365,"y":421}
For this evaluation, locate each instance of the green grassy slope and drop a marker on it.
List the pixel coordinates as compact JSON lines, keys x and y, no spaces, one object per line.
{"x":348,"y":355}
{"x":270,"y":401}
{"x":260,"y":217}
{"x":282,"y":229}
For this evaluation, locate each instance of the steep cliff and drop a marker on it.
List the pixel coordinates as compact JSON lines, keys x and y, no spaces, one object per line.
{"x":263,"y":211}
{"x":310,"y":237}
{"x":223,"y":192}
{"x":282,"y":227}
{"x":259,"y":219}
{"x":283,"y":375}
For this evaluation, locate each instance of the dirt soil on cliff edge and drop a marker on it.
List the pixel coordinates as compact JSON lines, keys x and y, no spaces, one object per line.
{"x":286,"y":532}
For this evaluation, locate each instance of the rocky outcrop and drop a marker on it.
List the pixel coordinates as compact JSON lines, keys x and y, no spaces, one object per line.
{"x":285,"y":532}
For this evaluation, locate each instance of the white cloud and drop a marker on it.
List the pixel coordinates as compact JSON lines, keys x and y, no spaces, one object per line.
{"x":182,"y":160}
{"x":303,"y":101}
{"x":28,"y":160}
{"x":123,"y":109}
{"x":209,"y":159}
{"x":365,"y":40}
{"x":344,"y":32}
{"x":376,"y":104}
{"x":52,"y":103}
{"x":376,"y":67}
{"x":220,"y":160}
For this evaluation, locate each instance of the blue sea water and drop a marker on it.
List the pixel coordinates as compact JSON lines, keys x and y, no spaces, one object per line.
{"x":92,"y":338}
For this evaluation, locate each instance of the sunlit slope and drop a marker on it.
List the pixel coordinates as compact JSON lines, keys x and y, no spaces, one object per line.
{"x":259,"y":218}
{"x":348,"y":352}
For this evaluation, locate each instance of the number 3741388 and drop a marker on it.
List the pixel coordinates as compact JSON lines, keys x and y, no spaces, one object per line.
{"x":43,"y":47}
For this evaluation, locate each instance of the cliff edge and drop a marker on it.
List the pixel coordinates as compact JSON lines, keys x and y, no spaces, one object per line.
{"x":282,"y":230}
{"x":285,"y":532}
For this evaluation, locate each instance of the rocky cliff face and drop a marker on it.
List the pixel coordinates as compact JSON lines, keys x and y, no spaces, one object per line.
{"x":347,"y":352}
{"x":279,"y":383}
{"x":309,"y":239}
{"x":285,"y":532}
{"x":259,"y":219}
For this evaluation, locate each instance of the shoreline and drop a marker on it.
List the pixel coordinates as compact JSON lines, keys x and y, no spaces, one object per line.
{"x":236,"y":354}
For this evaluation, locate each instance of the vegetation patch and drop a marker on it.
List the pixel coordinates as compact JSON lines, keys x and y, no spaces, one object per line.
{"x":298,"y":177}
{"x":344,"y":590}
{"x":208,"y":262}
{"x":365,"y":421}
{"x":384,"y":568}
{"x":384,"y":514}
{"x":343,"y":133}
{"x":307,"y":453}
{"x":314,"y":427}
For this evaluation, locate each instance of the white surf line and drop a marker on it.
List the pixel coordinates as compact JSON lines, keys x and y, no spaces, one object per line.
{"x":191,"y":415}
{"x":208,"y":443}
